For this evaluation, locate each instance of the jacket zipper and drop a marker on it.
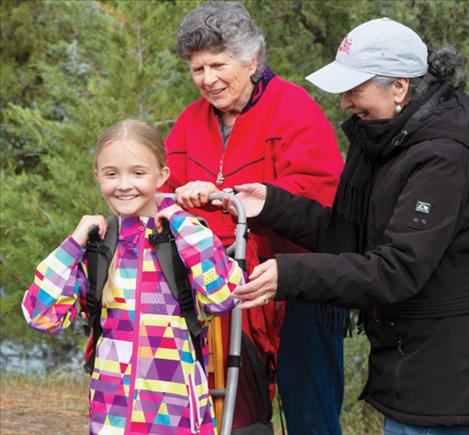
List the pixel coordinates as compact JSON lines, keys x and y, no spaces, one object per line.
{"x":133,"y":374}
{"x":220,"y":177}
{"x":397,"y":373}
{"x":194,"y":405}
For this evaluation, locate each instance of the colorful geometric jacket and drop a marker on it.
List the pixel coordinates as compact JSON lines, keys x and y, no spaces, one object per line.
{"x":147,"y":378}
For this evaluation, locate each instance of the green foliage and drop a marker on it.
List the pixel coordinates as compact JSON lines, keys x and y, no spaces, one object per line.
{"x":357,"y":417}
{"x":69,"y":69}
{"x":40,"y":207}
{"x":303,"y":35}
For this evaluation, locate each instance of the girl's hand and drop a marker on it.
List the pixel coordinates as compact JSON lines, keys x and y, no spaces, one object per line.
{"x":80,"y":234}
{"x":252,"y":197}
{"x":165,"y":213}
{"x":262,"y":285}
{"x":194,"y":194}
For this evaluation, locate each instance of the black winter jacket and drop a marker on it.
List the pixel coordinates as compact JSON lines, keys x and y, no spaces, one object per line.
{"x":412,"y":283}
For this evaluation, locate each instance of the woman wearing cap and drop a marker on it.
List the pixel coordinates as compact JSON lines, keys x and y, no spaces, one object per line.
{"x":396,"y":241}
{"x":250,"y":125}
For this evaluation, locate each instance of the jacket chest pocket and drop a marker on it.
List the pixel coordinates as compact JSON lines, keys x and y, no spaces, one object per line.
{"x":197,"y":388}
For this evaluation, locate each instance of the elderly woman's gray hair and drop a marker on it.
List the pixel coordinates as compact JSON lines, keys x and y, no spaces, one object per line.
{"x":217,"y":26}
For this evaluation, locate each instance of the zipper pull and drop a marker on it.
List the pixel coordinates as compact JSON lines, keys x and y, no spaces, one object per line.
{"x":220,"y":177}
{"x":400,"y":349}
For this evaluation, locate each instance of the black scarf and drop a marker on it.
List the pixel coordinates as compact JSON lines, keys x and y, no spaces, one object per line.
{"x":371,"y":144}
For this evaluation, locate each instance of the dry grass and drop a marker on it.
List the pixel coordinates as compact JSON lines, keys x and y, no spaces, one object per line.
{"x":53,"y":406}
{"x":57,"y":405}
{"x":47,"y":406}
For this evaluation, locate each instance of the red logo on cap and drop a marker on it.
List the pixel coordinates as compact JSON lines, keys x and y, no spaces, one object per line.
{"x":345,"y":45}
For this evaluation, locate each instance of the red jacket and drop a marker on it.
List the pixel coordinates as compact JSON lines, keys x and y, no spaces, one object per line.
{"x":282,"y":137}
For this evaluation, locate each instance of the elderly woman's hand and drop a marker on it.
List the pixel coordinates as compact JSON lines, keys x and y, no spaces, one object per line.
{"x":262,"y":285}
{"x":194,"y":194}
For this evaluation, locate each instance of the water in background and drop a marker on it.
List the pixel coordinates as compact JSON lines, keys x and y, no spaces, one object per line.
{"x":39,"y":359}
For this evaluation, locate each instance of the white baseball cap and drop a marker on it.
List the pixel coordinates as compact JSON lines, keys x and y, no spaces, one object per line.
{"x":378,"y":47}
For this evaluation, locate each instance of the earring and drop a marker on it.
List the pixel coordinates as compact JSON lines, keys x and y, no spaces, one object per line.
{"x":398,"y":109}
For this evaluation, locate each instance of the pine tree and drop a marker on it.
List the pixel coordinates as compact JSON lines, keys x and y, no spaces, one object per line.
{"x":70,"y":69}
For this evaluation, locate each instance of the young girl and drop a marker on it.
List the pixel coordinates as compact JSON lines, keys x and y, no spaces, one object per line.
{"x":146,"y":378}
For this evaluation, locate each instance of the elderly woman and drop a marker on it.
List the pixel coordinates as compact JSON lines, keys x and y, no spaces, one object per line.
{"x":396,"y":241}
{"x":250,"y":125}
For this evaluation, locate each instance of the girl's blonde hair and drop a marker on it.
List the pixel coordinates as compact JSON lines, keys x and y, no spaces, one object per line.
{"x":140,"y":132}
{"x":136,"y":130}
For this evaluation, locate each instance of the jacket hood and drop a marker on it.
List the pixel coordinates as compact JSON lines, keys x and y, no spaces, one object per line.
{"x":444,"y":115}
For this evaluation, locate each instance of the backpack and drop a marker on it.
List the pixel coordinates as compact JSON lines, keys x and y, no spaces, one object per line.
{"x":99,"y":254}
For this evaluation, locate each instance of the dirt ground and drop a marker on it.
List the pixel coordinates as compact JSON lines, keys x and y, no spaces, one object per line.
{"x":45,"y":408}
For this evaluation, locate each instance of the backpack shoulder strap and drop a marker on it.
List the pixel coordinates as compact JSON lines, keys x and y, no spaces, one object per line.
{"x":176,"y":273}
{"x":99,"y":254}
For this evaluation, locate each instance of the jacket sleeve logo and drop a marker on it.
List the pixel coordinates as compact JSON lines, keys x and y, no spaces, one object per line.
{"x":423,"y":207}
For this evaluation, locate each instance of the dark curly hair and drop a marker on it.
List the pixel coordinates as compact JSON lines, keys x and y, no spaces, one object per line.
{"x":444,"y":64}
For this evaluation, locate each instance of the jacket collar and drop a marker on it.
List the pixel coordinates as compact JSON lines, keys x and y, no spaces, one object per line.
{"x":381,"y":138}
{"x":132,"y":227}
